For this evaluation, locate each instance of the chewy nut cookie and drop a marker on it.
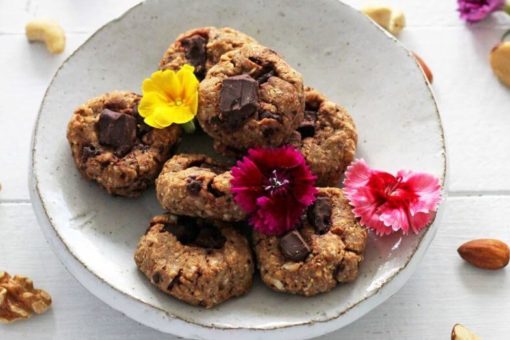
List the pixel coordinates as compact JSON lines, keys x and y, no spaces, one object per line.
{"x":326,"y":137}
{"x":252,"y":97}
{"x":201,"y":263}
{"x":112,"y":145}
{"x":202,"y":48}
{"x":196,"y":185}
{"x":314,"y":258}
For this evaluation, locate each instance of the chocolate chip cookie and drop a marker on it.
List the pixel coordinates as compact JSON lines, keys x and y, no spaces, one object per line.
{"x":112,"y":145}
{"x":326,"y":250}
{"x":326,"y":137}
{"x":196,"y":185}
{"x":202,"y":48}
{"x":201,"y":263}
{"x":252,"y":97}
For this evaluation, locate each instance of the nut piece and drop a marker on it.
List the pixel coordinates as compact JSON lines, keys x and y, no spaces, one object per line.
{"x":49,"y":32}
{"x":19,"y":299}
{"x":397,"y":22}
{"x":500,"y":62}
{"x":391,"y":20}
{"x":460,"y":332}
{"x":380,"y":14}
{"x":424,"y":67}
{"x":485,"y":253}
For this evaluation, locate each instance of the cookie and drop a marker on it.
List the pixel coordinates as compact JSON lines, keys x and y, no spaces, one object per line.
{"x":202,"y":48}
{"x":326,"y":250}
{"x":196,"y":185}
{"x":252,"y":97}
{"x":326,"y":137}
{"x":112,"y":146}
{"x":198,"y":262}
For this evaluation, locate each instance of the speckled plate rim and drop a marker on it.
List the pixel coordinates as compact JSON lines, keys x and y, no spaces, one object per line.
{"x":151,"y":315}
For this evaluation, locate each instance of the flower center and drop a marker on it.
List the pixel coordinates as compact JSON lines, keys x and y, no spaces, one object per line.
{"x":277,"y":182}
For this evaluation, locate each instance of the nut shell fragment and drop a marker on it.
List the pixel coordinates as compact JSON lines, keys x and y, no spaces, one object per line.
{"x":19,"y":299}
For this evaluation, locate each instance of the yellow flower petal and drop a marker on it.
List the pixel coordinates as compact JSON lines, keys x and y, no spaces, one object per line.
{"x":150,"y":102}
{"x":169,"y":97}
{"x":169,"y":115}
{"x":151,"y":122}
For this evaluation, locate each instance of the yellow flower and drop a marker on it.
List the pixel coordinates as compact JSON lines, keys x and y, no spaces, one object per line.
{"x":169,"y":97}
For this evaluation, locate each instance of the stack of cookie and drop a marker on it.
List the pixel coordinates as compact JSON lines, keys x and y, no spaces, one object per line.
{"x":248,"y":97}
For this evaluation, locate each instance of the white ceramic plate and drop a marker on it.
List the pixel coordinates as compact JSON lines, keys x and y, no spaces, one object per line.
{"x":340,"y":52}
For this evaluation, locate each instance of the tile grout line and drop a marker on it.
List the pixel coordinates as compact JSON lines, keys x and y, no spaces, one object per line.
{"x":15,"y":201}
{"x":479,"y":193}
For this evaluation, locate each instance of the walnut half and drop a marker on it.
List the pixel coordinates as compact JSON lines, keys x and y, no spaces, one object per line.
{"x":19,"y":299}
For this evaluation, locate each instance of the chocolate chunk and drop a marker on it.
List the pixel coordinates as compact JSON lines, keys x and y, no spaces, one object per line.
{"x":193,"y":185}
{"x":269,"y":115}
{"x":196,"y":53}
{"x":88,"y":151}
{"x":294,"y":247}
{"x":265,"y":71}
{"x":319,"y":215}
{"x":238,"y":100}
{"x":185,"y":230}
{"x":307,"y":126}
{"x":117,"y":130}
{"x":210,"y":237}
{"x":156,"y":278}
{"x":264,"y":75}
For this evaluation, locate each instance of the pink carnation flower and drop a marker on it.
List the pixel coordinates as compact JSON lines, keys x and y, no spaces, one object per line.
{"x":274,"y":186}
{"x":477,"y":10}
{"x":387,"y":203}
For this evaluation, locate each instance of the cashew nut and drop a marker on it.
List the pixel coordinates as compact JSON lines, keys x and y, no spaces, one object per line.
{"x":459,"y":332}
{"x":397,"y":22}
{"x":391,"y":20}
{"x":49,"y":32}
{"x":500,"y":62}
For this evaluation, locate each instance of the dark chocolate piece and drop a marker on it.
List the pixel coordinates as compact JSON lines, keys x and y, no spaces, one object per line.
{"x":319,"y":215}
{"x":307,"y":126}
{"x":195,"y":50}
{"x":294,"y":247}
{"x":117,"y":130}
{"x":156,"y":278}
{"x":193,"y":185}
{"x":238,"y":100}
{"x":266,"y":73}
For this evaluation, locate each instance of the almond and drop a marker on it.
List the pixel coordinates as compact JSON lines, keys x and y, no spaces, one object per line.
{"x":485,"y":253}
{"x":500,"y":62}
{"x":424,"y":67}
{"x":460,"y":332}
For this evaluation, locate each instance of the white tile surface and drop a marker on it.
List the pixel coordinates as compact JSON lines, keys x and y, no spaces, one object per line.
{"x":476,"y":116}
